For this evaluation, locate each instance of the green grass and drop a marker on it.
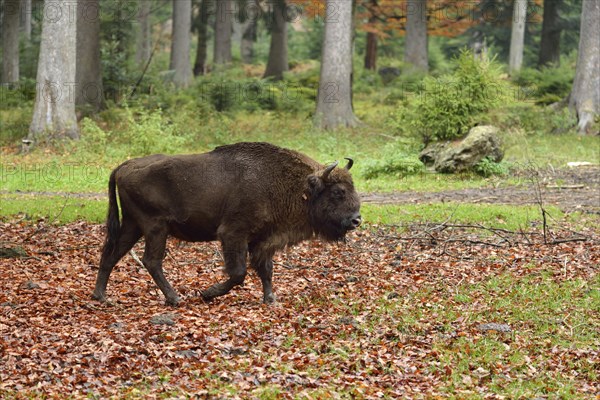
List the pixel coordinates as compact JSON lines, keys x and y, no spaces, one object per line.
{"x":543,"y":150}
{"x":53,"y":174}
{"x":491,"y":215}
{"x":56,"y":209}
{"x":548,"y":318}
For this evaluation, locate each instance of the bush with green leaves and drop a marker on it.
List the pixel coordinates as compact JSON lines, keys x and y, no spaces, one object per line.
{"x":532,"y":118}
{"x":453,"y":103}
{"x":93,"y":138}
{"x":140,"y":133}
{"x":487,"y":168}
{"x":253,"y":95}
{"x":546,"y":85}
{"x":149,"y":132}
{"x":396,"y":164}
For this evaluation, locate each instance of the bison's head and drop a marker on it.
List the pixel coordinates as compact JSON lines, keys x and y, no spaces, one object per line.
{"x":334,"y":206}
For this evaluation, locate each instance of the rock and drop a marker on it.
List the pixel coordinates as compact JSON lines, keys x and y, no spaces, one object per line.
{"x":393,"y":295}
{"x":462,"y":155}
{"x":163,"y":319}
{"x":186,"y":353}
{"x":431,"y":153}
{"x":30,"y":285}
{"x":12,"y":252}
{"x":347,"y":321}
{"x":118,"y":326}
{"x":494,"y":327}
{"x":388,"y":74}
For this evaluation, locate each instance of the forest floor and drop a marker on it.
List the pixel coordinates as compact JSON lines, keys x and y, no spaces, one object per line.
{"x":428,"y":312}
{"x":425,"y":310}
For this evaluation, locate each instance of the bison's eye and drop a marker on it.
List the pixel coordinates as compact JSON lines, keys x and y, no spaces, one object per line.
{"x":338,"y":193}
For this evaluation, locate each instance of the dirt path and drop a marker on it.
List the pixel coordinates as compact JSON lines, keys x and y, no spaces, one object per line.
{"x":569,"y":189}
{"x":575,"y":189}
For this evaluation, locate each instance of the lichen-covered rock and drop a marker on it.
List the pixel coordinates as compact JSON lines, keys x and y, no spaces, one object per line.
{"x":481,"y":142}
{"x":430,"y":153}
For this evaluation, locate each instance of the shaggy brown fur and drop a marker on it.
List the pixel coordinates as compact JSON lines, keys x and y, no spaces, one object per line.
{"x":254,"y":198}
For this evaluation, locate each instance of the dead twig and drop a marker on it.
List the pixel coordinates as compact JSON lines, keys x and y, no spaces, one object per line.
{"x":135,"y":257}
{"x":40,"y":229}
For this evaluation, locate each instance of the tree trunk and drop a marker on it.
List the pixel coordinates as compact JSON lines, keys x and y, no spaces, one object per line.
{"x":201,"y":26}
{"x":54,"y":108}
{"x":26,"y":13}
{"x":551,"y":30}
{"x":371,"y":52}
{"x":180,"y":44}
{"x":585,"y":95}
{"x":89,"y":89}
{"x":142,"y":54}
{"x":517,"y":38}
{"x":371,"y":49}
{"x":249,"y":31}
{"x":10,"y":41}
{"x":416,"y":50}
{"x":334,"y":100}
{"x":223,"y":27}
{"x":278,"y":52}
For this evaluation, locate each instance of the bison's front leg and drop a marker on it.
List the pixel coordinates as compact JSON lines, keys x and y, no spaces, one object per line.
{"x":234,"y":254}
{"x":153,"y":258}
{"x":263,"y":264}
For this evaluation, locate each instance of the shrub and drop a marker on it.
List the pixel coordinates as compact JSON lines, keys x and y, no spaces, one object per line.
{"x":394,"y":164}
{"x":93,"y":138}
{"x":487,"y":168}
{"x":451,"y":104}
{"x":547,"y":85}
{"x":149,"y":132}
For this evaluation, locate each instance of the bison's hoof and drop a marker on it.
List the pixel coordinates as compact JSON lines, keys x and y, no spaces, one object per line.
{"x":206,"y":297}
{"x":209,"y":294}
{"x":173,"y":302}
{"x":270,"y":299}
{"x":99,"y":297}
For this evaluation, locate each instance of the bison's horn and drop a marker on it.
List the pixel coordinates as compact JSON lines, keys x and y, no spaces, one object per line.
{"x":328,"y":170}
{"x":350,"y":163}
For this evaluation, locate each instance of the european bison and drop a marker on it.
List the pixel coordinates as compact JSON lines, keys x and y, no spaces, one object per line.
{"x":254,"y":198}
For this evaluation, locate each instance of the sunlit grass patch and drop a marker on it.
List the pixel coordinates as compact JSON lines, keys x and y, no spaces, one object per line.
{"x":54,"y":209}
{"x":554,"y":327}
{"x":490,"y":215}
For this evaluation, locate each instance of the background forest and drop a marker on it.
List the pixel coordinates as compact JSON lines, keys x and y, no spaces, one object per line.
{"x":136,"y":59}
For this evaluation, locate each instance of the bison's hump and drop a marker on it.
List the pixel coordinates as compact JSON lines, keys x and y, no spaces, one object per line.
{"x":265,"y":152}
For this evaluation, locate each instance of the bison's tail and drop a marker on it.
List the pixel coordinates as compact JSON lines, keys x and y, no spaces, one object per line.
{"x":113,"y":226}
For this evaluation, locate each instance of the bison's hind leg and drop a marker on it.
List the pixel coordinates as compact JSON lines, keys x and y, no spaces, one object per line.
{"x":129,"y":234}
{"x":234,"y":253}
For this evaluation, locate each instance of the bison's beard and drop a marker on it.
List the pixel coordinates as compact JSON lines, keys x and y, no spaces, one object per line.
{"x":330,"y":231}
{"x":328,"y":223}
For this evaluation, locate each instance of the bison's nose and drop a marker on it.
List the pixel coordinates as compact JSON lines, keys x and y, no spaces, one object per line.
{"x":356,"y":221}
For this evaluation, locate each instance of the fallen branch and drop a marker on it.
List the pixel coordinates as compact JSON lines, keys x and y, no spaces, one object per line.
{"x":135,"y":257}
{"x":565,"y":187}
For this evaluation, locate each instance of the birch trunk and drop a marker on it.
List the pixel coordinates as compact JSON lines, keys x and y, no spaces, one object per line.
{"x":334,"y":100}
{"x":54,"y":109}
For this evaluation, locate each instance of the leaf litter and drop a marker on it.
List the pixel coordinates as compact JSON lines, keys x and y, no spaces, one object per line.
{"x":339,"y":325}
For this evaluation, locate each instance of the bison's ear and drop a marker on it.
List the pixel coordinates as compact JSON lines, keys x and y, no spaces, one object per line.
{"x":315,"y":184}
